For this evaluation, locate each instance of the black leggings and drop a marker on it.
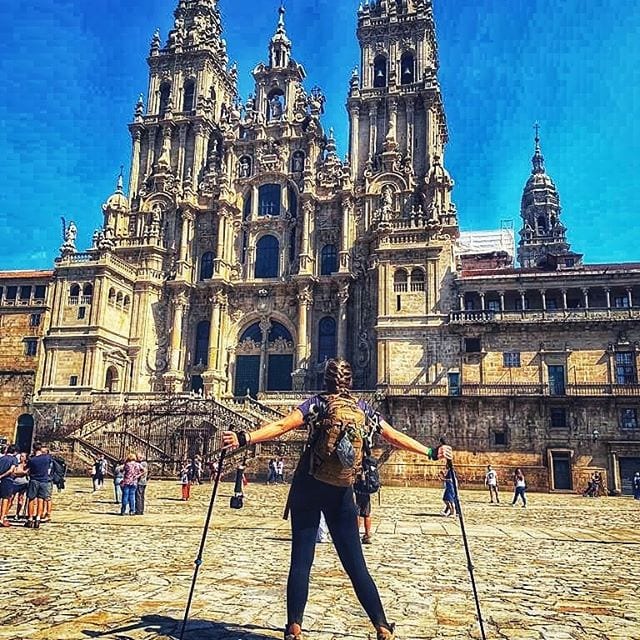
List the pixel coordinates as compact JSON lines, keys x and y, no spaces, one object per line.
{"x":308,"y":498}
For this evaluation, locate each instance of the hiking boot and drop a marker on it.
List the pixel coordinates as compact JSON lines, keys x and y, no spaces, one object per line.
{"x":366,"y":539}
{"x":29,"y":524}
{"x":382,"y":633}
{"x":293,"y":632}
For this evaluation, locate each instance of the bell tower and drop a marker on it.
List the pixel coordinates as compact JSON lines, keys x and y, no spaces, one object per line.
{"x":406,"y":218}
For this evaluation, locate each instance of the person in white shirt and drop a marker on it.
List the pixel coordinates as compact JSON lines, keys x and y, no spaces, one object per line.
{"x":491,"y":481}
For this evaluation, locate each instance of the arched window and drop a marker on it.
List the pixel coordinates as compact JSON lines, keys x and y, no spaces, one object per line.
{"x":407,"y":68}
{"x":269,"y":200}
{"x":417,"y":280}
{"x":400,"y":279}
{"x":112,"y":296}
{"x":127,"y":303}
{"x":253,"y":333}
{"x":87,"y":290}
{"x":165,"y":94}
{"x":246,"y":208}
{"x":201,"y":352}
{"x":206,"y":265}
{"x":119,"y":299}
{"x":267,"y":257}
{"x":275,"y":105}
{"x":278,"y":332}
{"x":188,"y":95}
{"x":74,"y":291}
{"x":542,"y":223}
{"x":111,"y":380}
{"x":326,"y":339}
{"x":328,"y":260}
{"x":380,"y":71}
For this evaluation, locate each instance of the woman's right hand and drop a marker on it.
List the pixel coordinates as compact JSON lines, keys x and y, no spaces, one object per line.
{"x":230,"y":440}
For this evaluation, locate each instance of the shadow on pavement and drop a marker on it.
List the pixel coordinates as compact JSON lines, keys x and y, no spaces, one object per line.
{"x":170,"y":628}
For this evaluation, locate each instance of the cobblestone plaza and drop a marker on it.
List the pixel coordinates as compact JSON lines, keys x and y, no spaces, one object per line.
{"x":565,"y":568}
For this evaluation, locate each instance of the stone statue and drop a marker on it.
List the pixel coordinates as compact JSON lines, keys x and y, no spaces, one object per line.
{"x":276,"y":108}
{"x":245,"y":167}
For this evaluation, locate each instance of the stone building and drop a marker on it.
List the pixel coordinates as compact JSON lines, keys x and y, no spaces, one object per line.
{"x":23,"y":313}
{"x":246,"y":252}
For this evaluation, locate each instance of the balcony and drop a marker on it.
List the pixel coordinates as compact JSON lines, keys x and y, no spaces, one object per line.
{"x":544,"y":316}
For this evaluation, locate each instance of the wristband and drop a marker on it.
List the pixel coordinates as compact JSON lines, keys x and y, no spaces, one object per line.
{"x":242,"y":438}
{"x":432,"y":454}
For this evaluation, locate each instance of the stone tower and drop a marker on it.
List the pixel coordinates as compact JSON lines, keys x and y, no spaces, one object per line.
{"x":406,"y":221}
{"x":543,"y":241}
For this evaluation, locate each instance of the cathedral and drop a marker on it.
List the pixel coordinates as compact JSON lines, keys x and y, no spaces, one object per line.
{"x":245,"y":252}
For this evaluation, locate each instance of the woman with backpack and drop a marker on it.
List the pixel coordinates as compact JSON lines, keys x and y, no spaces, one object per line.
{"x":339,"y":424}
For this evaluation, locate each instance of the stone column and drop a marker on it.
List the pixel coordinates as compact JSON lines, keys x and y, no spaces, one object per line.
{"x":265,"y":327}
{"x":501,"y":294}
{"x":585,"y":298}
{"x":305,"y":301}
{"x":307,"y":209}
{"x":354,"y":112}
{"x":343,"y":297}
{"x":218,"y":301}
{"x":461,"y":301}
{"x":482,"y":305}
{"x":198,"y":151}
{"x":373,"y":126}
{"x":136,"y":136}
{"x":523,"y":300}
{"x":607,"y":293}
{"x":564,"y":299}
{"x":151,"y":151}
{"x":347,"y":211}
{"x":182,"y":132}
{"x":179,"y":307}
{"x":630,"y":298}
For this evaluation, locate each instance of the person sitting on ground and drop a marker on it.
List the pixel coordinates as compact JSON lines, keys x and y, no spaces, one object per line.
{"x":323,"y":483}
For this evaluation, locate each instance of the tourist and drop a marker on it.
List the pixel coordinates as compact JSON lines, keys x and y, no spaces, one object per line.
{"x":449,"y":495}
{"x":20,"y":481}
{"x":99,"y":469}
{"x":280,"y":471}
{"x":636,"y":485}
{"x":8,"y":464}
{"x":118,"y":475}
{"x":141,"y":487}
{"x":491,"y":481}
{"x":271,"y":474}
{"x":322,"y":483}
{"x":40,"y":485}
{"x":520,"y":487}
{"x":132,"y":473}
{"x":363,"y":502}
{"x":185,"y":480}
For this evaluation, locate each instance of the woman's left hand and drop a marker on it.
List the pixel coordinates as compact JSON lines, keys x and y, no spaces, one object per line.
{"x":445,"y":451}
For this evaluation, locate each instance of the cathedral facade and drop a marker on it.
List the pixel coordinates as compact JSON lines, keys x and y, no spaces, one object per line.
{"x":246,"y":252}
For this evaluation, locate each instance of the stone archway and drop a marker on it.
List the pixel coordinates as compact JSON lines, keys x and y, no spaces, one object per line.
{"x":24,"y":432}
{"x":112,"y":380}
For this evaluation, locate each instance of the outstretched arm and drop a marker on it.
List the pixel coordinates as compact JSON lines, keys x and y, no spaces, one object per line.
{"x":403,"y":441}
{"x":270,"y":431}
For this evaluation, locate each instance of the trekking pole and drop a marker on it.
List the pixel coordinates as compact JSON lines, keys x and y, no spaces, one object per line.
{"x":198,"y":560}
{"x":466,"y":546}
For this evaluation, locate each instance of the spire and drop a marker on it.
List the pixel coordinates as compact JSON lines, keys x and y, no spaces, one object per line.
{"x":120,"y":183}
{"x":280,"y":45}
{"x":538,"y":159}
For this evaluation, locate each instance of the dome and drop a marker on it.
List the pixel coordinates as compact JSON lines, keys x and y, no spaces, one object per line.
{"x":117,"y":201}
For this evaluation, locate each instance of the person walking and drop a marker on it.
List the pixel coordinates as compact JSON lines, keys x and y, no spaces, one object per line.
{"x":323,"y":483}
{"x":449,"y":495}
{"x":185,"y":480}
{"x":491,"y":481}
{"x":520,"y":487}
{"x":132,"y":473}
{"x":636,"y":485}
{"x":141,"y":487}
{"x":98,"y":473}
{"x":40,"y":485}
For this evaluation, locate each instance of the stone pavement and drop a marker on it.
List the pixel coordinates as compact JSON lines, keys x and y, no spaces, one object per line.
{"x":565,"y":568}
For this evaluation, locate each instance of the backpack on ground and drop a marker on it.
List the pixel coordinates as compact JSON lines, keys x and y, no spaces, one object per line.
{"x":338,"y":440}
{"x":58,"y":471}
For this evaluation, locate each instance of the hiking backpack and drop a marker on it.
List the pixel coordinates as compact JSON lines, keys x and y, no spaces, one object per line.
{"x":337,"y":440}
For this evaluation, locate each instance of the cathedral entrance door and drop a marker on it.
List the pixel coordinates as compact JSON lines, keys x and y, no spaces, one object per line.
{"x":628,"y":467}
{"x":561,"y":471}
{"x":279,"y":372}
{"x":24,"y":432}
{"x":247,"y":375}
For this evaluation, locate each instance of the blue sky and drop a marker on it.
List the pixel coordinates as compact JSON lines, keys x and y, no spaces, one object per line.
{"x":72,"y":70}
